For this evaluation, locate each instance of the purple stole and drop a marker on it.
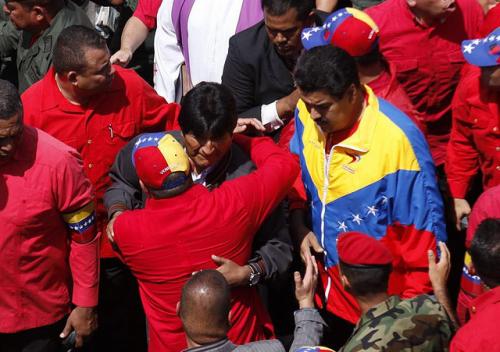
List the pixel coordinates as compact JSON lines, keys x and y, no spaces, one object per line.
{"x":250,"y":14}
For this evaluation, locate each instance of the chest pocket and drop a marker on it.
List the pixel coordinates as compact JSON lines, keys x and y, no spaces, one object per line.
{"x":118,"y":133}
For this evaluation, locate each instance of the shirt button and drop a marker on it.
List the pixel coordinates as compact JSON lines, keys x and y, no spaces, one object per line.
{"x":475,"y":120}
{"x":498,"y":168}
{"x":497,"y":149}
{"x":495,"y":129}
{"x":89,"y":141}
{"x":91,"y":166}
{"x":473,"y":309}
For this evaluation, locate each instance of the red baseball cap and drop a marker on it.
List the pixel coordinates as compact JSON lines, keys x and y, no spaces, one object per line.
{"x":156,"y":156}
{"x":356,"y":248}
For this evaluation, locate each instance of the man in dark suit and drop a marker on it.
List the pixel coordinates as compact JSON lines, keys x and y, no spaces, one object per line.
{"x":260,"y":61}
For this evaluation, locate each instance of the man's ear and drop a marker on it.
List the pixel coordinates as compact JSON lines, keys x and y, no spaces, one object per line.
{"x":72,"y":77}
{"x":178,"y":308}
{"x":39,"y":13}
{"x":344,"y":280}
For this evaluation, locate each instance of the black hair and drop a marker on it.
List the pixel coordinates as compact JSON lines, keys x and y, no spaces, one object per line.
{"x":485,"y":251}
{"x":326,"y":68}
{"x":52,"y":6}
{"x":372,"y":57}
{"x":366,"y":280}
{"x":10,"y":101}
{"x":208,"y":111}
{"x":280,"y":7}
{"x":71,"y":45}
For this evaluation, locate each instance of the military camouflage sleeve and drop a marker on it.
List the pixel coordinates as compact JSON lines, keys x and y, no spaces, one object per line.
{"x":9,"y":38}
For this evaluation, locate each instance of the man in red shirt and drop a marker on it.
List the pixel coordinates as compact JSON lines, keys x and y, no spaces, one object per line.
{"x":475,"y":138}
{"x":182,"y":225}
{"x":481,"y":332}
{"x":97,"y":108}
{"x":421,"y":39}
{"x":48,"y":237}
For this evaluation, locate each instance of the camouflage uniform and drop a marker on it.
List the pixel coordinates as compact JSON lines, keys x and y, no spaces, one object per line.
{"x":33,"y":60}
{"x":417,"y":324}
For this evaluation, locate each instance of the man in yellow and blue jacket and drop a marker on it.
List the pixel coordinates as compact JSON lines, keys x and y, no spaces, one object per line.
{"x":365,"y":167}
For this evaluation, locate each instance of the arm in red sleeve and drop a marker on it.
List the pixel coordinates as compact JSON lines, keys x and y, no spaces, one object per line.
{"x":75,"y":201}
{"x":462,"y":156}
{"x":264,"y":188}
{"x":157,"y":114}
{"x":146,"y":12}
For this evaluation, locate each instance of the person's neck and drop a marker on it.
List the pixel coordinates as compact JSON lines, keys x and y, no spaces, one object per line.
{"x":68,"y":92}
{"x":368,"y":73}
{"x":368,"y":302}
{"x":424,"y":18}
{"x":192,"y":344}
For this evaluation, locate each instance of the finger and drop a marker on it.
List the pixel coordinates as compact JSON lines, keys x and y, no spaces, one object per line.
{"x":113,"y":59}
{"x":67,"y":329}
{"x":315,"y":265}
{"x":219,"y":260}
{"x":78,"y":341}
{"x":431,"y":259}
{"x":297,"y":279}
{"x":315,"y":244}
{"x":445,"y":253}
{"x":305,"y":251}
{"x":257,"y":124}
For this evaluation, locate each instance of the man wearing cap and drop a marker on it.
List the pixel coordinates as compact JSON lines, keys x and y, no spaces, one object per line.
{"x":421,"y":38}
{"x":387,"y":323}
{"x":183,"y":224}
{"x":96,"y":108}
{"x":365,"y":166}
{"x":355,"y":32}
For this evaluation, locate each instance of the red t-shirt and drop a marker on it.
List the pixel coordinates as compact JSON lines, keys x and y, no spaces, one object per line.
{"x":146,"y":11}
{"x":427,"y":59}
{"x":98,"y":131}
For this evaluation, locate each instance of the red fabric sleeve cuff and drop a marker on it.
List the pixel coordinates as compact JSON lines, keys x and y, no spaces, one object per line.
{"x":458,"y":189}
{"x":84,"y":262}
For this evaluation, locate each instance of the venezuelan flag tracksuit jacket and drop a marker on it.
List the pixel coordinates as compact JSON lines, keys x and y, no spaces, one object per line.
{"x":380,"y":181}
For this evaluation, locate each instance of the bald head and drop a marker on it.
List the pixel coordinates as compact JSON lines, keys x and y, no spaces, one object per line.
{"x":204,"y":307}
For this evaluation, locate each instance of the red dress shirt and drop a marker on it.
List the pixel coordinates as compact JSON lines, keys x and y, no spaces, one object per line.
{"x":428,"y":60}
{"x":44,"y":181}
{"x":475,"y":137}
{"x":146,"y":11}
{"x":164,"y":243}
{"x":480,"y":334}
{"x":98,"y":131}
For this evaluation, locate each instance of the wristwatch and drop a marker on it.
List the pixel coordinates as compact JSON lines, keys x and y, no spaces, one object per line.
{"x":255,"y":274}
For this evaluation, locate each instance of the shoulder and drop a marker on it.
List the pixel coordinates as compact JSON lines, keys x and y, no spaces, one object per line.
{"x":250,"y":39}
{"x":240,"y":163}
{"x":50,"y":151}
{"x":261,"y":346}
{"x":383,"y":11}
{"x":72,"y":14}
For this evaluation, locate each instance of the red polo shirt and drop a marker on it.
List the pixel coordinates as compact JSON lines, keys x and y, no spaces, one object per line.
{"x":43,"y":181}
{"x":164,"y":243}
{"x":475,"y":137}
{"x":427,"y":59}
{"x":480,"y":334}
{"x":146,"y":11}
{"x":98,"y":131}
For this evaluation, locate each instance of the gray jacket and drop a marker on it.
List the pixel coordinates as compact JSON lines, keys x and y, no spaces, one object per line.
{"x":308,"y":332}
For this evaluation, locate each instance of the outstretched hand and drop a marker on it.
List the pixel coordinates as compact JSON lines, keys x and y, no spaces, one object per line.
{"x":439,"y":272}
{"x":235,"y":275}
{"x":305,"y":287}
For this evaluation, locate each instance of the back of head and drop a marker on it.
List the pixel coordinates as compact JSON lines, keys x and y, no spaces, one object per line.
{"x":51,"y":6}
{"x":208,"y":111}
{"x":280,"y":7}
{"x":326,"y":68}
{"x":204,"y":307}
{"x":365,"y":262}
{"x":10,"y":101}
{"x":485,"y":251}
{"x":70,"y":48}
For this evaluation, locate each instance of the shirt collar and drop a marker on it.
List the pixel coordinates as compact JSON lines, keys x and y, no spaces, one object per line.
{"x":378,"y":310}
{"x":26,"y":149}
{"x":361,"y":140}
{"x":220,"y":346}
{"x":485,"y":300}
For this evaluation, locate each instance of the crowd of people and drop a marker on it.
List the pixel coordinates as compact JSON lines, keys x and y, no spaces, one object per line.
{"x":298,"y":175}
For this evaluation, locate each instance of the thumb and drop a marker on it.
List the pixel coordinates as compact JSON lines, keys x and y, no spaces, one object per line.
{"x":315,"y":244}
{"x":431,"y":258}
{"x":219,"y":260}
{"x":67,"y":329}
{"x":297,"y":279}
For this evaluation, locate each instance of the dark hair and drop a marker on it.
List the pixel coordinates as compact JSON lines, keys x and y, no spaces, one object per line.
{"x":205,"y":304}
{"x":280,"y":7}
{"x":52,"y":6}
{"x":366,"y":280}
{"x":71,"y":45}
{"x":179,"y":183}
{"x":485,"y":251}
{"x":208,"y":111}
{"x":372,"y":57}
{"x":326,"y":68}
{"x":10,"y":101}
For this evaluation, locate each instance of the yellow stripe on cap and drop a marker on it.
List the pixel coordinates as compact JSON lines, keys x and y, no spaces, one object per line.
{"x":363,"y":16}
{"x":80,"y":214}
{"x":174,"y":154}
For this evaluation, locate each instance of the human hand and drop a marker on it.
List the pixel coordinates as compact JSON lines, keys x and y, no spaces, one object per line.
{"x":84,"y":321}
{"x":244,"y":124}
{"x":308,"y":241}
{"x":286,"y":105}
{"x":305,"y":287}
{"x":109,"y":228}
{"x":439,"y":272}
{"x":462,"y":209}
{"x":122,"y":57}
{"x":235,"y":275}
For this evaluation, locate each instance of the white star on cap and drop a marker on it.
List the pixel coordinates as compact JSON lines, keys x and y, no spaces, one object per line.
{"x":476,"y":41}
{"x":342,"y":226}
{"x":315,"y":29}
{"x":492,"y":38}
{"x":468,"y":48}
{"x":306,"y":35}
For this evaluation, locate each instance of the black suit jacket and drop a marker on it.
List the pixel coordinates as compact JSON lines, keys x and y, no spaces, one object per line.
{"x":254,"y":72}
